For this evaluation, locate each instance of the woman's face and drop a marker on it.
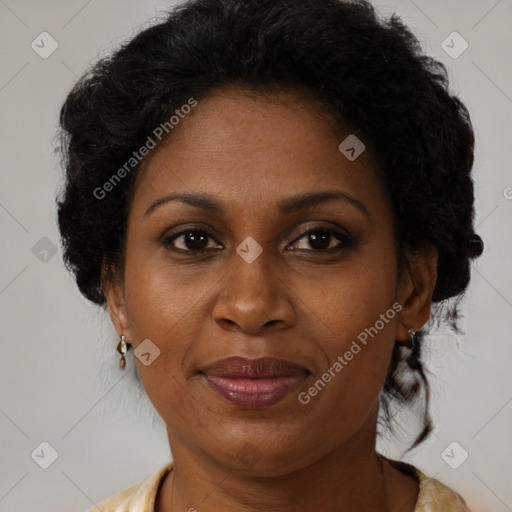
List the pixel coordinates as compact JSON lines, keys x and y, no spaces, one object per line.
{"x":257,"y":285}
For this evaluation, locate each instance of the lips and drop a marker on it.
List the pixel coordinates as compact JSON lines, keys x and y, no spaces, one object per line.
{"x":254,"y":383}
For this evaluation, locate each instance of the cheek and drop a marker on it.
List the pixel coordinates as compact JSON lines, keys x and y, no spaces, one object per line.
{"x":160,"y":308}
{"x":351,"y":298}
{"x":355,"y":322}
{"x":158,"y":300}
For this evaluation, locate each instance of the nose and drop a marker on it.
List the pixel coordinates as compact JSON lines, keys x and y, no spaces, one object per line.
{"x":254,"y":298}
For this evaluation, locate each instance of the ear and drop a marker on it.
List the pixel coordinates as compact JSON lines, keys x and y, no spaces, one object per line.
{"x":114,"y":293}
{"x":415,"y":291}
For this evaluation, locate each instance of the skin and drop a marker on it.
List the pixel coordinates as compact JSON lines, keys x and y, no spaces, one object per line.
{"x":305,"y":306}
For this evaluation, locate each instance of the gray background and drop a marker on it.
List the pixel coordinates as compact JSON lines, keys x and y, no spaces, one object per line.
{"x":58,"y":367}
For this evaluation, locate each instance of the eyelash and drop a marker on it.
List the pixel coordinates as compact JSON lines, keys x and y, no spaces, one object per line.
{"x":345,"y":240}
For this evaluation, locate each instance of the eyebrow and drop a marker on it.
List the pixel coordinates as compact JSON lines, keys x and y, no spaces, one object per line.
{"x":286,"y":206}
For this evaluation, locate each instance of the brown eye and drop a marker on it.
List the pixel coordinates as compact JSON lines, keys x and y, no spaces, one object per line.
{"x":191,"y":240}
{"x":322,"y":239}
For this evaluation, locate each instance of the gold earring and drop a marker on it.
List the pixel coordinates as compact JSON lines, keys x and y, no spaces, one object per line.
{"x":412,"y":338}
{"x":122,"y":348}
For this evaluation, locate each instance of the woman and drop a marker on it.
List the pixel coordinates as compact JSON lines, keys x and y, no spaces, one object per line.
{"x":270,"y":197}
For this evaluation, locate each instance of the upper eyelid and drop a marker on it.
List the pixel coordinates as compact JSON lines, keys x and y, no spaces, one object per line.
{"x":334,"y":230}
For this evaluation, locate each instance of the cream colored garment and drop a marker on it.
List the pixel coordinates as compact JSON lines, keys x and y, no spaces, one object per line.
{"x":433,"y":495}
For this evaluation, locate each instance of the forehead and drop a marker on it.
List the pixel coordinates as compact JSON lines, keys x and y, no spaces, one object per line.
{"x":241,"y":145}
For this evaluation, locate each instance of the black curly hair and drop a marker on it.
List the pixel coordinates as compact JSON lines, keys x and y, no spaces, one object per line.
{"x":369,"y":72}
